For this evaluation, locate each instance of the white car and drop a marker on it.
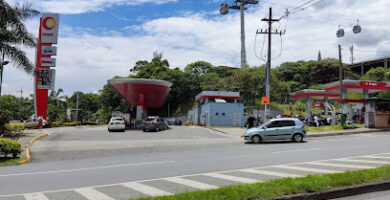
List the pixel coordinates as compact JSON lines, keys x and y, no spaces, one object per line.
{"x":116,"y":124}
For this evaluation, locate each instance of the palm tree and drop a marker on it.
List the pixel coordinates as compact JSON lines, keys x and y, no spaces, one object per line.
{"x":13,"y":34}
{"x":55,"y":98}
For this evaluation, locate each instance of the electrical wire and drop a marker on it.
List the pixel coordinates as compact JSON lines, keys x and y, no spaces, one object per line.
{"x":281,"y":48}
{"x":255,"y":51}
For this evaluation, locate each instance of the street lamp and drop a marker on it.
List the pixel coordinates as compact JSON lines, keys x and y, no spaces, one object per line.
{"x":239,"y":5}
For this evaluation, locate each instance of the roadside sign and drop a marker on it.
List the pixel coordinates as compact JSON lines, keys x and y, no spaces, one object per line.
{"x":318,"y":104}
{"x":265,"y":100}
{"x":48,"y":62}
{"x":46,"y":79}
{"x":49,"y":28}
{"x":49,"y":50}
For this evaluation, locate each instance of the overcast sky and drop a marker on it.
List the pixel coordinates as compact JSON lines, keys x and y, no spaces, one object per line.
{"x":99,"y":39}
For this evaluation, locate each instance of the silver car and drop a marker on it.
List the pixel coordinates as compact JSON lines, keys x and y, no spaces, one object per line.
{"x":155,"y":124}
{"x":275,"y":130}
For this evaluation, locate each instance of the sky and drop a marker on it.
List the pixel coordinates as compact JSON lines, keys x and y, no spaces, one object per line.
{"x":100,"y":39}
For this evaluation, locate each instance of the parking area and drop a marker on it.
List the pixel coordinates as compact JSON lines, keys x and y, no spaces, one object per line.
{"x":87,"y":142}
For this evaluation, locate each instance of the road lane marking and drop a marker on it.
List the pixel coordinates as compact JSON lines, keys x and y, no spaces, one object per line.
{"x":88,"y":168}
{"x":296,"y":150}
{"x":232,"y":178}
{"x":341,"y":165}
{"x":35,"y":196}
{"x":183,"y":176}
{"x":298,"y":168}
{"x":364,"y":161}
{"x":190,"y":183}
{"x":266,"y":172}
{"x":372,"y":156}
{"x":148,"y":190}
{"x":92,"y":194}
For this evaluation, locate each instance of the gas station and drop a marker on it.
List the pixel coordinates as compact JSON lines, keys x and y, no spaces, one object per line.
{"x":373,"y":110}
{"x":318,"y":95}
{"x":143,"y":93}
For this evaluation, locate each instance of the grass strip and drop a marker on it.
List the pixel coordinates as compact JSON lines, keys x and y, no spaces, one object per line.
{"x":328,"y":128}
{"x":285,"y":186}
{"x":9,"y":161}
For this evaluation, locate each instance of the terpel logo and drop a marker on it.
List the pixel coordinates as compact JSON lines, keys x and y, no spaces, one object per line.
{"x":49,"y":23}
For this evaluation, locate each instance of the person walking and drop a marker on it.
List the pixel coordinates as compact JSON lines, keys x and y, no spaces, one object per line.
{"x":316,"y":121}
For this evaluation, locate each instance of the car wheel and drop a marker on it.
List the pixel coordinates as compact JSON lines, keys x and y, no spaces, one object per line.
{"x":109,"y":130}
{"x":256,"y":139}
{"x":143,"y":130}
{"x":297,"y":137}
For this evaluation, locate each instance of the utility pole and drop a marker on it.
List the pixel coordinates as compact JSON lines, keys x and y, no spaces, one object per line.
{"x":243,"y":49}
{"x":352,"y":57}
{"x":341,"y":79}
{"x":77,"y":107}
{"x":20,"y":103}
{"x":269,"y":32}
{"x":2,"y":64}
{"x":239,"y":5}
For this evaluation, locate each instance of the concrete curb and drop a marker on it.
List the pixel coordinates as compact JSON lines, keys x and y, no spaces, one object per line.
{"x":340,"y":192}
{"x":28,"y":157}
{"x":345,"y":133}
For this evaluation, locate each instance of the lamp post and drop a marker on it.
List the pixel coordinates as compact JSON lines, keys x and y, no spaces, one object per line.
{"x":239,"y":5}
{"x":2,"y":64}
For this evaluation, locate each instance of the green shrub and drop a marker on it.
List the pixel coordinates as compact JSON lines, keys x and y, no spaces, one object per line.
{"x":53,"y":124}
{"x":88,"y":123}
{"x":16,"y":126}
{"x":188,"y":123}
{"x":7,"y":146}
{"x":70,"y":124}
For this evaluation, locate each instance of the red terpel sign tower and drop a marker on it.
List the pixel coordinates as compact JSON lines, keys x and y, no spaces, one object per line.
{"x":44,"y":78}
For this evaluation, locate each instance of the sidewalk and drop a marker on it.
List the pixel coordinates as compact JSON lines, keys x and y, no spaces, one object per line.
{"x":237,"y":132}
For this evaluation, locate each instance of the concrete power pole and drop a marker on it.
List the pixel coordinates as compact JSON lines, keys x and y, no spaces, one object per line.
{"x":352,"y":57}
{"x":341,"y":72}
{"x":243,"y":49}
{"x":239,"y":5}
{"x":77,"y":107}
{"x":269,"y":32}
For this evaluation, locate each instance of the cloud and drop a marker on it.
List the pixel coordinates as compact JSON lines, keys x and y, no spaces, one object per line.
{"x":83,"y":6}
{"x":86,"y":61}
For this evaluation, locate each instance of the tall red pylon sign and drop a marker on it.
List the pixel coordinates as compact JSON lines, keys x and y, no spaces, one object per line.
{"x":45,"y":76}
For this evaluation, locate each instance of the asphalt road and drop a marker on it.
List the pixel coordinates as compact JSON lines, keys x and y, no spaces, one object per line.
{"x":383,"y":195}
{"x":90,"y":163}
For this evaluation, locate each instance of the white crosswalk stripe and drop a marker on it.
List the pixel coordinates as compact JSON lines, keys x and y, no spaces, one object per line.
{"x":148,"y":190}
{"x":35,"y":196}
{"x":232,"y":178}
{"x":271,"y":173}
{"x":364,"y":161}
{"x":341,"y":165}
{"x":380,"y":157}
{"x":92,"y":194}
{"x":190,"y":183}
{"x":298,"y":168}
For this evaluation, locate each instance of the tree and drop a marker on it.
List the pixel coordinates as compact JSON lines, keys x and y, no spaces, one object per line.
{"x":377,"y":74}
{"x":13,"y":34}
{"x":198,"y":67}
{"x":55,"y":98}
